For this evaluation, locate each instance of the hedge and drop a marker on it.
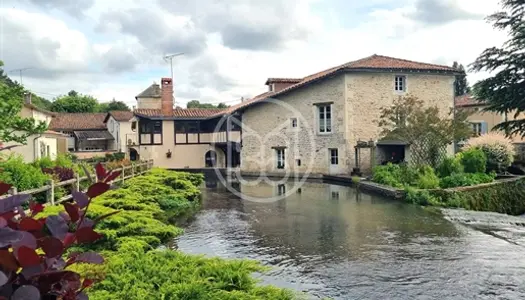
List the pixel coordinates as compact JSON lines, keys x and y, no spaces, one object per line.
{"x":504,"y":196}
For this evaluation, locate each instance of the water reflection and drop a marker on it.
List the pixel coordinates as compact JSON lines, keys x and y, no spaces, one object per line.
{"x":335,"y":241}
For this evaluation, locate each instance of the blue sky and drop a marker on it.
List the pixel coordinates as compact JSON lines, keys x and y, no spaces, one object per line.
{"x":114,"y":48}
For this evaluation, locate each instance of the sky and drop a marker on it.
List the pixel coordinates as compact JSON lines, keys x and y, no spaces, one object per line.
{"x":115,"y":48}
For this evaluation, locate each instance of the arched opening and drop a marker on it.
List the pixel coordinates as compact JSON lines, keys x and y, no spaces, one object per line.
{"x":210,"y":159}
{"x":133,"y":154}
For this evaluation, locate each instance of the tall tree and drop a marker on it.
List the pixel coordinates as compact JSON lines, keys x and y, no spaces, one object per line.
{"x":197,"y":104}
{"x":75,"y":102}
{"x":113,"y":105}
{"x":14,"y":128}
{"x":504,"y":92}
{"x":461,"y":85}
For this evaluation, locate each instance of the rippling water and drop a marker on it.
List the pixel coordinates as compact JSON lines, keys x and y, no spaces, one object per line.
{"x":331,"y":241}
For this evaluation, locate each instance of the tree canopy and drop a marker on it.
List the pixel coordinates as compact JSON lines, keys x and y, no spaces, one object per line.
{"x":75,"y":102}
{"x":113,"y":105}
{"x":14,"y":128}
{"x":504,"y":92}
{"x":408,"y":120}
{"x":197,"y":104}
{"x":461,"y":85}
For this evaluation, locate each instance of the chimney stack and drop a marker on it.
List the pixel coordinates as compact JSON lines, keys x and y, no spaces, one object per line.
{"x":27,"y":97}
{"x":167,"y":97}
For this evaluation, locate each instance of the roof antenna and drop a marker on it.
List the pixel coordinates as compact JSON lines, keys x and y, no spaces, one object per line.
{"x":170,"y":58}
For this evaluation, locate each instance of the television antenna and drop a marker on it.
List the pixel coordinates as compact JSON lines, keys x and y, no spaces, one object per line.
{"x":20,"y":72}
{"x":170,"y":58}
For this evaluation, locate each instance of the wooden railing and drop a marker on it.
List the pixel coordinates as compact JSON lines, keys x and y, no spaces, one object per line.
{"x":136,"y":169}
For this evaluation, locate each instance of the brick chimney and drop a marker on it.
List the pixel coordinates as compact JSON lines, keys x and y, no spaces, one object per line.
{"x":167,"y":97}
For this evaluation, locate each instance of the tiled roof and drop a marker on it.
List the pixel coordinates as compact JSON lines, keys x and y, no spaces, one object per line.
{"x":78,"y":121}
{"x":283,"y":80}
{"x":466,"y":100}
{"x":120,"y":115}
{"x":54,"y":133}
{"x":371,"y":63}
{"x":153,"y":91}
{"x":182,"y":113}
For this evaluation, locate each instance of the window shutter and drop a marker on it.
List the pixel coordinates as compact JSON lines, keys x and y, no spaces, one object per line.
{"x":484,"y":128}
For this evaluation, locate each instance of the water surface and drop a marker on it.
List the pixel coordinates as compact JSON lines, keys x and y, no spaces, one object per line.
{"x":332,"y":241}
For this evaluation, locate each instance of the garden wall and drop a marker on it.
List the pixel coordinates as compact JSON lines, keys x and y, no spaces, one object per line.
{"x":503,"y":196}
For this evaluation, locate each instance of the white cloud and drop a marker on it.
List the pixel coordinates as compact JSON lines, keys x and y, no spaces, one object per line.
{"x":224,"y":60}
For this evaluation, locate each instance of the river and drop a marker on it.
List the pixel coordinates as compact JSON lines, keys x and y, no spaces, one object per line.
{"x":333,"y":241}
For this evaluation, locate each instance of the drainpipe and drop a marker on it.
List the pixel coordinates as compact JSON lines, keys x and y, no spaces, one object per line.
{"x":35,"y":154}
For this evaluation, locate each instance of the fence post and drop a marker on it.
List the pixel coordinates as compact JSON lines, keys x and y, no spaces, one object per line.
{"x":13,"y":191}
{"x":122,"y":174}
{"x":132,"y":170}
{"x":51,"y":192}
{"x":77,"y":183}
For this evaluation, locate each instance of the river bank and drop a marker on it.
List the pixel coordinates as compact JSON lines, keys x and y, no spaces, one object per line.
{"x":135,"y":269}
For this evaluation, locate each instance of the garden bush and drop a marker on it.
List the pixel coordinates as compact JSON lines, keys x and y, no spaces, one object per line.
{"x":498,"y":149}
{"x":427,"y":178}
{"x":133,"y":274}
{"x":449,"y":166}
{"x":20,"y":174}
{"x":389,"y":174}
{"x":466,"y":179}
{"x":421,"y":197}
{"x":473,"y":160}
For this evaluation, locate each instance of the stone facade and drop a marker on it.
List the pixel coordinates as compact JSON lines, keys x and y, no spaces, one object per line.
{"x":356,"y":100}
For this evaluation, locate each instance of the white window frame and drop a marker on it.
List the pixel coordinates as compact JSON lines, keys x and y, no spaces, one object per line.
{"x":333,"y":154}
{"x":280,"y":158}
{"x":324,"y":122}
{"x":400,"y":83}
{"x":477,"y":128}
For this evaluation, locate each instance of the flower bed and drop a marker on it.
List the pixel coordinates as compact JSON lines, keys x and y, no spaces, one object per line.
{"x":133,"y":269}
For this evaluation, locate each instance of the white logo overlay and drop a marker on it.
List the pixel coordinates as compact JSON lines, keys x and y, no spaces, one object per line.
{"x":277,"y":157}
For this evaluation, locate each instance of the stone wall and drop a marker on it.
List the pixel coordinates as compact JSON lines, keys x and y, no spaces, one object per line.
{"x":357,"y":99}
{"x":268,"y":125}
{"x":367,"y":93}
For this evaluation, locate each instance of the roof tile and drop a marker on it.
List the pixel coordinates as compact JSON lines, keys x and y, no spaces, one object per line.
{"x":466,"y":100}
{"x":78,"y":121}
{"x":120,"y":115}
{"x":153,"y":91}
{"x":374,"y":62}
{"x":181,"y":112}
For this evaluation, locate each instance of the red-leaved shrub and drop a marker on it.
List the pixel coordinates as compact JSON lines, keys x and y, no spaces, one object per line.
{"x":32,"y":251}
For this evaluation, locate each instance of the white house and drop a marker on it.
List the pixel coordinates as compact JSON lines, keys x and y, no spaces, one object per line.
{"x":123,"y":127}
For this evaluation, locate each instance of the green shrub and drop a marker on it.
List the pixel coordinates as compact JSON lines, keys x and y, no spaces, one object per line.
{"x":421,"y":197}
{"x":133,"y":274}
{"x":498,"y":149}
{"x":427,"y":179}
{"x":44,"y":162}
{"x":474,"y":160}
{"x":20,"y":174}
{"x":466,"y":179}
{"x":389,"y":174}
{"x":449,"y":166}
{"x":64,"y":161}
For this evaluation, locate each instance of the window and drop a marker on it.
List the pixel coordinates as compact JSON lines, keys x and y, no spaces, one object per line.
{"x":134,"y":126}
{"x":150,"y":132}
{"x":476,"y":128}
{"x":280,"y":158}
{"x":325,"y":118}
{"x":187,"y":127}
{"x":400,"y":84}
{"x":334,"y":156}
{"x":48,"y":151}
{"x":151,"y":127}
{"x":298,"y":162}
{"x":270,"y":87}
{"x":294,"y":122}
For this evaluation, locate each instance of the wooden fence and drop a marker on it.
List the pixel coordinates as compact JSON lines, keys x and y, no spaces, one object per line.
{"x":136,"y":169}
